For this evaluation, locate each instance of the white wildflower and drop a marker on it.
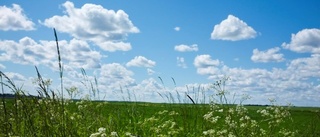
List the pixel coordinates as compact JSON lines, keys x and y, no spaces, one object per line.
{"x":162,"y":112}
{"x":95,"y":134}
{"x":114,"y":134}
{"x":207,"y":116}
{"x":102,"y":130}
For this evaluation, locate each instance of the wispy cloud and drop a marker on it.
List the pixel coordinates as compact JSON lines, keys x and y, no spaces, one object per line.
{"x":176,"y":28}
{"x":233,"y":29}
{"x":106,"y":28}
{"x":150,"y":71}
{"x":14,"y":19}
{"x":271,"y":55}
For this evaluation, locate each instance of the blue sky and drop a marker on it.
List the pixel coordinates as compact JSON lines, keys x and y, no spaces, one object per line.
{"x":268,"y":49}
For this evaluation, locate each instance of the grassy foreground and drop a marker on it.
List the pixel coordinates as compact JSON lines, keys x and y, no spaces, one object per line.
{"x":23,"y":116}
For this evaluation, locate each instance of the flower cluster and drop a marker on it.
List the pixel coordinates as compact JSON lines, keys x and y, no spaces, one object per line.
{"x":231,"y":121}
{"x":162,"y":124}
{"x":101,"y":133}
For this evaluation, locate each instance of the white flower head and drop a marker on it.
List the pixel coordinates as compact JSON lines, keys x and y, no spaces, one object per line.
{"x":102,"y":130}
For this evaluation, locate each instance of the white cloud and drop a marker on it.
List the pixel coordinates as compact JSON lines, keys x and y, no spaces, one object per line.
{"x":207,"y":66}
{"x":114,"y":75}
{"x":303,"y":68}
{"x":140,"y":61}
{"x":177,"y":28}
{"x":186,"y":48}
{"x":233,"y":29}
{"x":305,"y":41}
{"x":74,"y":54}
{"x":14,"y":19}
{"x":181,"y":62}
{"x":271,"y":55}
{"x":205,"y":61}
{"x":106,"y":28}
{"x":114,"y":46}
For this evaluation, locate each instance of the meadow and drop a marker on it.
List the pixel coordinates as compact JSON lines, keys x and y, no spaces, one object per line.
{"x":49,"y":114}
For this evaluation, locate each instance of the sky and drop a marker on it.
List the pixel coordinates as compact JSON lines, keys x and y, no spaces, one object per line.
{"x":161,"y":51}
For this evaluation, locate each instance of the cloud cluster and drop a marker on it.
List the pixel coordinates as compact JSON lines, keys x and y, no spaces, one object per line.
{"x":271,"y":55}
{"x":233,"y":29}
{"x":186,"y":48}
{"x":290,"y":84}
{"x":140,"y":61}
{"x":75,"y":54}
{"x":106,"y":28}
{"x":14,"y":19}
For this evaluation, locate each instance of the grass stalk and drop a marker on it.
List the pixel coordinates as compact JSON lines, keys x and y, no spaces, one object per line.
{"x":61,"y":81}
{"x":4,"y":106}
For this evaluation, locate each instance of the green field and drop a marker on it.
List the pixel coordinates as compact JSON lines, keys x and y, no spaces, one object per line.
{"x":25,"y":116}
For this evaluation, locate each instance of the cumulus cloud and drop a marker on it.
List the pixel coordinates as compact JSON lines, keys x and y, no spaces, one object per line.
{"x":186,"y":48}
{"x":14,"y":19}
{"x":75,"y":54}
{"x":140,"y":61}
{"x":305,"y":41}
{"x":106,"y":28}
{"x":271,"y":55}
{"x":181,"y":62}
{"x":233,"y":29}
